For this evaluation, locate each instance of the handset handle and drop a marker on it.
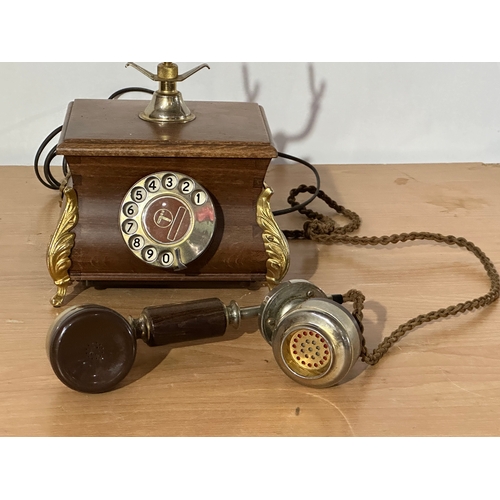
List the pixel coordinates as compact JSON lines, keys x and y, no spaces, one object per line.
{"x":173,"y":323}
{"x":195,"y":320}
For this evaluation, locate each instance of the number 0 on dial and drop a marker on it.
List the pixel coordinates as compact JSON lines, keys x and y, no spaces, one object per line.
{"x":167,"y":219}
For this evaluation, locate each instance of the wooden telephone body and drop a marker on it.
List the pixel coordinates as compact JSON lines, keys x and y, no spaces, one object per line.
{"x":226,"y":150}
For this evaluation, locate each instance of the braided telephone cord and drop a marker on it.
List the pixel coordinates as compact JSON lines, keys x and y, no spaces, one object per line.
{"x":323,"y":229}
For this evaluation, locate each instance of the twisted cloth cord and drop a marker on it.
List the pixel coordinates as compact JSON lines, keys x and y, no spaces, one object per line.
{"x":325,"y":230}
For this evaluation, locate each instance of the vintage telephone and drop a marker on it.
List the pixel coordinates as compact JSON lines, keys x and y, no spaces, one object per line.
{"x":155,"y":196}
{"x":165,"y":193}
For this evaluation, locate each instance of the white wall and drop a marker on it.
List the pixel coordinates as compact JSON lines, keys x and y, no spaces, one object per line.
{"x":325,"y":112}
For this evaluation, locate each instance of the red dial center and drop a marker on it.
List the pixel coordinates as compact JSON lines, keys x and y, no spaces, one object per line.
{"x":167,"y":219}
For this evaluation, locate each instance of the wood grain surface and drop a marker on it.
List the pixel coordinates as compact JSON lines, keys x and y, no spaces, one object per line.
{"x":227,"y":149}
{"x":104,"y":127}
{"x":236,"y":252}
{"x":442,"y":379}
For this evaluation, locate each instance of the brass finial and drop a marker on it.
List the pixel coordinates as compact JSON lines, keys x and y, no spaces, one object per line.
{"x":167,"y":104}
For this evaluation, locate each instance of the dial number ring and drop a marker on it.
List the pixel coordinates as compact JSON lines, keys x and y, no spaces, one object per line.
{"x":167,"y":219}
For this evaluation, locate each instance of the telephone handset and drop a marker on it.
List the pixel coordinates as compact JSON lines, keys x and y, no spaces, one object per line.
{"x":167,"y":219}
{"x":315,"y":340}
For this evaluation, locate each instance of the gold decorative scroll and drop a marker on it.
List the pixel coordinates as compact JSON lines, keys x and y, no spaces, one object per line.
{"x":278,"y":253}
{"x":60,"y":246}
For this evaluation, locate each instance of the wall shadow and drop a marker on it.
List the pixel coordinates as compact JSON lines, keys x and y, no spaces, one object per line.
{"x":284,"y":138}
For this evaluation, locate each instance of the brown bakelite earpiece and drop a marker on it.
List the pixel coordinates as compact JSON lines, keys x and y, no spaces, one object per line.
{"x":92,"y":348}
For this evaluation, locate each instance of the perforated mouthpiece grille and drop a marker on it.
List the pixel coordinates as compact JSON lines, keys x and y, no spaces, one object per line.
{"x":307,"y":353}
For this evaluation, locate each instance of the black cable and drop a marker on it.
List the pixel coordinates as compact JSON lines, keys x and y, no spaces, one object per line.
{"x":315,"y":194}
{"x":46,"y":167}
{"x":118,"y":93}
{"x":49,"y":180}
{"x":48,"y":183}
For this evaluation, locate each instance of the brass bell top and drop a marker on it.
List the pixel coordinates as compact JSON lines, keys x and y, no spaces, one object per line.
{"x":167,"y":104}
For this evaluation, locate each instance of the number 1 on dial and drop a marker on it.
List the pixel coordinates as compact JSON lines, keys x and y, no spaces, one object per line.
{"x":199,"y":197}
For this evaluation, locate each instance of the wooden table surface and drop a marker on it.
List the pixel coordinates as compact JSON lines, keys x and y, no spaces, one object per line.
{"x":442,"y":379}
